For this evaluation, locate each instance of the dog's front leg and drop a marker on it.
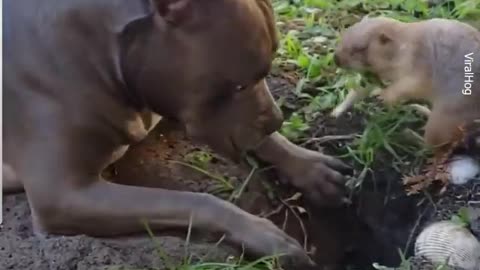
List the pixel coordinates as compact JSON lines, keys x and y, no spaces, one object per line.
{"x":11,"y":183}
{"x":67,"y":197}
{"x":316,"y":175}
{"x":108,"y":209}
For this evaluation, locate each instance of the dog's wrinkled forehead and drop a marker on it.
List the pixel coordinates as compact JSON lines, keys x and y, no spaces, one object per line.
{"x":266,"y":8}
{"x":245,"y":36}
{"x":255,"y":21}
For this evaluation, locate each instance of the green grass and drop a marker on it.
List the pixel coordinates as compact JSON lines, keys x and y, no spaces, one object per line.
{"x":309,"y":30}
{"x":200,"y":159}
{"x":191,"y":263}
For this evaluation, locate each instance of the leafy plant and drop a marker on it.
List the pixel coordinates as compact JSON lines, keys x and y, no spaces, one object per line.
{"x":199,"y":158}
{"x":462,"y":217}
{"x":295,"y":127}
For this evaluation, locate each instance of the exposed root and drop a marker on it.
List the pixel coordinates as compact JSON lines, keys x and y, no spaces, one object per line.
{"x":352,"y":97}
{"x":297,"y":216}
{"x":274,"y":212}
{"x":329,"y":138}
{"x":285,"y":221}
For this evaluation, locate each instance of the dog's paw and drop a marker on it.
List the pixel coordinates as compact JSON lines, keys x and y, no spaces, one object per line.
{"x":261,"y":238}
{"x":321,"y":179}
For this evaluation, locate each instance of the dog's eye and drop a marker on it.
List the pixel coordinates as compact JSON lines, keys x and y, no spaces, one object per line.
{"x":240,"y":87}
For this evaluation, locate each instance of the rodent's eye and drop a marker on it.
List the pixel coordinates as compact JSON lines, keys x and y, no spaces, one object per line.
{"x":359,"y":49}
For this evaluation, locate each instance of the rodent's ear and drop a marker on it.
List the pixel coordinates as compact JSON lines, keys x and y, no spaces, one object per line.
{"x":384,"y":37}
{"x":174,"y":12}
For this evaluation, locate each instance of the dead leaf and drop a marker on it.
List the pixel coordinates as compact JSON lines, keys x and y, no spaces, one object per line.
{"x":436,"y":169}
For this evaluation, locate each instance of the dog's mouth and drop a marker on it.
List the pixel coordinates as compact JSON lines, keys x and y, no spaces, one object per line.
{"x":236,"y":152}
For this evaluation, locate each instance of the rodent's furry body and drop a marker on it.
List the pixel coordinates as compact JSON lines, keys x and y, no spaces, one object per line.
{"x":429,"y":60}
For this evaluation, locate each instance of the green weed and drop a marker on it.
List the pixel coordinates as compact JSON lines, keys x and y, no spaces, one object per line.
{"x":309,"y":31}
{"x":199,"y":158}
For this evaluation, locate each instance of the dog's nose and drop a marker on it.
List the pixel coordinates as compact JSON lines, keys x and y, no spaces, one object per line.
{"x":275,"y":121}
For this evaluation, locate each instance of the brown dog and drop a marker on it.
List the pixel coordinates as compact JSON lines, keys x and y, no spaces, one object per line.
{"x":436,"y":60}
{"x":81,"y":79}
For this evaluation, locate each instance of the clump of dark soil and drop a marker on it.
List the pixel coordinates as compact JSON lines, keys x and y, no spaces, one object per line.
{"x":381,"y":220}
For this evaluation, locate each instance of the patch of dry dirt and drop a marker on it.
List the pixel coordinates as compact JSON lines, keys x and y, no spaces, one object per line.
{"x":20,"y":249}
{"x":149,"y":164}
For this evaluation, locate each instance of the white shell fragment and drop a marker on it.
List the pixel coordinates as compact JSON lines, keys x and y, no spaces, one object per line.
{"x":448,"y":243}
{"x":463,"y":169}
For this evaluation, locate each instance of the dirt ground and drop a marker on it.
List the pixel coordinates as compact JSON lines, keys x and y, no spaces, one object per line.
{"x":381,"y":219}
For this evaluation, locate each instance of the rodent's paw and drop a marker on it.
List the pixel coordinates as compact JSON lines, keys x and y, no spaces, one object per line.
{"x":387,"y":97}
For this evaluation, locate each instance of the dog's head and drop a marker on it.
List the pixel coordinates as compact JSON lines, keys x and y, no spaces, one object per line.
{"x":206,"y":63}
{"x":369,"y":45}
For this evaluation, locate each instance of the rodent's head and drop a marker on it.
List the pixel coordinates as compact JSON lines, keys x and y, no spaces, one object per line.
{"x":369,"y":45}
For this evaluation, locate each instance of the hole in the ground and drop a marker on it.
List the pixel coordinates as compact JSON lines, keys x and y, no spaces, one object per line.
{"x":215,"y":160}
{"x":373,"y":229}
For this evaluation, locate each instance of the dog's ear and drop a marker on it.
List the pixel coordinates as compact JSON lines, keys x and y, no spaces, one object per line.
{"x":174,"y":12}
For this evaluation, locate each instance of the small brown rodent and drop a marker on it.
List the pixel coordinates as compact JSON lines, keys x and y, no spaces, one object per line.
{"x":436,"y":60}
